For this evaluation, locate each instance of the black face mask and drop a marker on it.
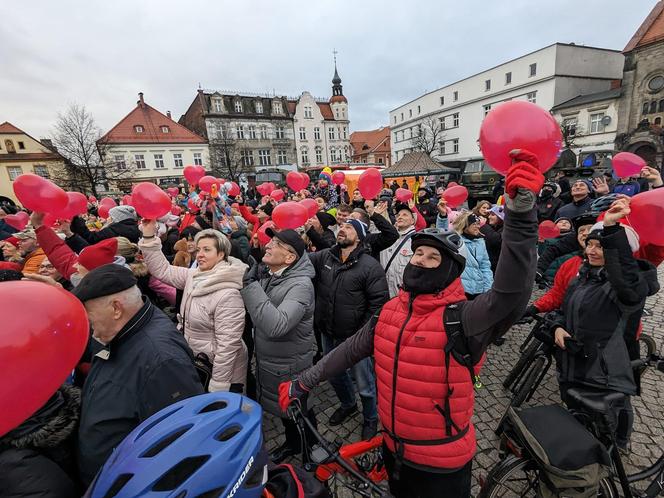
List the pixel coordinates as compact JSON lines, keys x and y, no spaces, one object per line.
{"x":418,"y":280}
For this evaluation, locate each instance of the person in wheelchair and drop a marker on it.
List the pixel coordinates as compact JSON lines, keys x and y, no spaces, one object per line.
{"x":606,"y":298}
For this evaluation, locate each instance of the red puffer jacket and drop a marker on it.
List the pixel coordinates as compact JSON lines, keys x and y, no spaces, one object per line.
{"x":414,"y":385}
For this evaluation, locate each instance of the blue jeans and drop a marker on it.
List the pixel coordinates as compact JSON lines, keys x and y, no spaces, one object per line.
{"x":363,"y":373}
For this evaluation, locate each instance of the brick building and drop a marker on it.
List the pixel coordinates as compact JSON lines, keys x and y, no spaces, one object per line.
{"x":371,"y":147}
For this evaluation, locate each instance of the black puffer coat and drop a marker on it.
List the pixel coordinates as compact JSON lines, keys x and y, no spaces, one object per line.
{"x":125,"y":228}
{"x":37,"y":458}
{"x":347,"y":293}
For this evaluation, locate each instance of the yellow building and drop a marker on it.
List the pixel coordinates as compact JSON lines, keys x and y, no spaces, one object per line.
{"x":20,"y":153}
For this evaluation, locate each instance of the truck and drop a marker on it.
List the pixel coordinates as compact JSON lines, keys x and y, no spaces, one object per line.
{"x":478,"y":177}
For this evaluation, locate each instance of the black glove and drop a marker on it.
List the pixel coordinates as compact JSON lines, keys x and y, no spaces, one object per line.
{"x":530,"y":311}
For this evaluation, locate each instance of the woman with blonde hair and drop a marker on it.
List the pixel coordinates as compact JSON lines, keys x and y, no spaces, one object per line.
{"x":212,"y":310}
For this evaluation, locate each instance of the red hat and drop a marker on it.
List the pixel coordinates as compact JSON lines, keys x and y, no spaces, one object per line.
{"x":12,"y":240}
{"x":101,"y":253}
{"x":8,"y":265}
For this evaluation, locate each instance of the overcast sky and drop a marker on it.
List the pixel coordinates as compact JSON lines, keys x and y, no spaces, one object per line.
{"x":102,"y":53}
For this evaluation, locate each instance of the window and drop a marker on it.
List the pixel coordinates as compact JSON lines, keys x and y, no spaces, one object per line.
{"x":441,"y":145}
{"x":531,"y":97}
{"x":569,"y":126}
{"x":661,"y":105}
{"x":277,"y":107}
{"x":309,"y":114}
{"x":14,"y":171}
{"x":331,"y":134}
{"x":402,"y":116}
{"x":455,"y":120}
{"x":345,"y":133}
{"x":442,"y":123}
{"x":410,"y":113}
{"x":259,"y":107}
{"x":380,"y":160}
{"x":264,"y":158}
{"x":238,"y":106}
{"x":119,"y":161}
{"x":247,"y":157}
{"x":282,"y":157}
{"x":456,"y":96}
{"x":158,"y":161}
{"x":508,"y":78}
{"x":656,"y":83}
{"x":596,"y":125}
{"x":316,"y":133}
{"x":395,"y":118}
{"x":305,"y":155}
{"x":41,"y":170}
{"x":337,"y":113}
{"x":487,"y":85}
{"x":455,"y":145}
{"x":218,"y":105}
{"x":21,"y":145}
{"x":533,"y":69}
{"x":396,"y":137}
{"x":333,"y":155}
{"x":140,"y":161}
{"x":319,"y":155}
{"x":165,"y":129}
{"x":418,"y":109}
{"x":442,"y":101}
{"x":138,"y":129}
{"x":653,"y":110}
{"x":487,"y":108}
{"x":263,"y":132}
{"x":303,"y":133}
{"x":198,"y":159}
{"x":252,"y":132}
{"x":240,"y":131}
{"x":177,"y":159}
{"x":280,"y":132}
{"x":646,"y":107}
{"x":658,"y":121}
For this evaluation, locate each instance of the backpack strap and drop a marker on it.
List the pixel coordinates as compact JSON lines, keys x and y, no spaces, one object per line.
{"x":396,"y":251}
{"x":457,"y":345}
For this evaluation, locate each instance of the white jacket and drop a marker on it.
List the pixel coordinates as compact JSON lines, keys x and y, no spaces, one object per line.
{"x":394,"y":273}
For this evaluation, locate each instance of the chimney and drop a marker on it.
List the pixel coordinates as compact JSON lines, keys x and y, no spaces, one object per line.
{"x":140,"y":99}
{"x":168,"y":115}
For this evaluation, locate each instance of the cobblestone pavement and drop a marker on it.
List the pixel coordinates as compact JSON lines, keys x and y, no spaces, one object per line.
{"x":492,"y":401}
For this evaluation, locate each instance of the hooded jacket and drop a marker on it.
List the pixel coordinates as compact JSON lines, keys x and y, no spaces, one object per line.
{"x":348,"y":292}
{"x":477,"y":276}
{"x":281,"y":308}
{"x":38,"y":457}
{"x":126,"y":228}
{"x":211,"y":312}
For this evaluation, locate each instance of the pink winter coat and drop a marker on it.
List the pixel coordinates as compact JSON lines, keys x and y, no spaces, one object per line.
{"x":212,"y":311}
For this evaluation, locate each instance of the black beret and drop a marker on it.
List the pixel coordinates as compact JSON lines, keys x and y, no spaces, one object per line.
{"x":104,"y":281}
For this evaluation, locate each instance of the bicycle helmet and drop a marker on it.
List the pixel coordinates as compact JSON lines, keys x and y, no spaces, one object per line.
{"x":206,"y":446}
{"x":587,"y":218}
{"x":603,"y":203}
{"x":447,"y":241}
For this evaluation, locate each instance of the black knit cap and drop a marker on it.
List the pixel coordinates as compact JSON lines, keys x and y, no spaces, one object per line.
{"x":266,"y":208}
{"x":325,"y":219}
{"x":104,"y":281}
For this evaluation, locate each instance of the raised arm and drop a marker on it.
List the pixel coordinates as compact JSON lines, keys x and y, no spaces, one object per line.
{"x":158,"y":265}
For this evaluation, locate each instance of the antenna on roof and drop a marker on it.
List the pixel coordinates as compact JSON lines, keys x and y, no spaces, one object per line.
{"x":334,"y":53}
{"x":199,"y":86}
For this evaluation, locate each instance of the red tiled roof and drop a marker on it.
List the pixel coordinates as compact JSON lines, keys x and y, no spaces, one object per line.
{"x":151,"y":120}
{"x":338,"y":98}
{"x":326,"y":110}
{"x":7,"y":127}
{"x":375,"y":140}
{"x":651,"y":30}
{"x":292,"y":104}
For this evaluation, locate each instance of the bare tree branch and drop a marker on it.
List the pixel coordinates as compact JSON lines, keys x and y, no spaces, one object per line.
{"x":427,"y":135}
{"x":225,"y":154}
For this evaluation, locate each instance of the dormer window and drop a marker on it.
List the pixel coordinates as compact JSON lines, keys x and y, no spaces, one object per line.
{"x":276,"y":107}
{"x":138,"y":129}
{"x":218,"y":106}
{"x":165,"y":129}
{"x":259,"y":107}
{"x":238,"y":106}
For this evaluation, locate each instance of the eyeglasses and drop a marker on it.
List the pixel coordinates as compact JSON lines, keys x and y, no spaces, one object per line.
{"x":286,"y":247}
{"x":47,"y":267}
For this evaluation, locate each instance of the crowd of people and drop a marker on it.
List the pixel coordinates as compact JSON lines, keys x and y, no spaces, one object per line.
{"x":376,"y":296}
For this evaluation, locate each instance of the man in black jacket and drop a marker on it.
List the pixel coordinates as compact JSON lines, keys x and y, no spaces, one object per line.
{"x":124,"y":224}
{"x":143,"y":366}
{"x":426,"y":208}
{"x":350,"y":287}
{"x":386,"y":234}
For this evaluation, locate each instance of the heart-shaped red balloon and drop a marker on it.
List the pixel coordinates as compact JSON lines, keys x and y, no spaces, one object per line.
{"x":193,"y":174}
{"x":173,"y":191}
{"x":548,"y":230}
{"x":19,"y":220}
{"x":76,"y":204}
{"x":39,"y":194}
{"x":370,"y":183}
{"x":264,"y":238}
{"x":150,"y":201}
{"x":207,"y":182}
{"x":338,"y":177}
{"x":455,"y":196}
{"x":49,"y":343}
{"x":277,"y":195}
{"x":296,"y":181}
{"x":233,"y":190}
{"x":311,"y":206}
{"x":403,"y":195}
{"x":290,"y":215}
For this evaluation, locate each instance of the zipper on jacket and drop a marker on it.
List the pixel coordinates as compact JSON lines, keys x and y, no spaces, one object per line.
{"x":396,"y":360}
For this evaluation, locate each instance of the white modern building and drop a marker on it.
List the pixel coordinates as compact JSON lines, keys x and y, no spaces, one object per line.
{"x":547,"y":77}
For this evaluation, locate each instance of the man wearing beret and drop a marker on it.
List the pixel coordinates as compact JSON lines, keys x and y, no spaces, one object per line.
{"x":142,"y":364}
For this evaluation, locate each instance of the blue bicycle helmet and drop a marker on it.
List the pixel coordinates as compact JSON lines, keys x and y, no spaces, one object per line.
{"x":207,"y":446}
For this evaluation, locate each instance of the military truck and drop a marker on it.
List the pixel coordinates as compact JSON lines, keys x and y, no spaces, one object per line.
{"x":480,"y":180}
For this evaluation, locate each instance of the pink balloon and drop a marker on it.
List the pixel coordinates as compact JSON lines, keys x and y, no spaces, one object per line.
{"x":207,"y":182}
{"x":19,"y":220}
{"x":39,"y":194}
{"x":173,"y":191}
{"x":548,"y":230}
{"x":370,"y":183}
{"x":647,"y":215}
{"x":455,"y":196}
{"x":518,"y":124}
{"x":150,"y":201}
{"x":264,"y":238}
{"x":311,"y":206}
{"x":403,"y":195}
{"x":289,"y":215}
{"x":338,"y":177}
{"x":234,"y":190}
{"x":277,"y":195}
{"x":193,"y":174}
{"x":626,"y":164}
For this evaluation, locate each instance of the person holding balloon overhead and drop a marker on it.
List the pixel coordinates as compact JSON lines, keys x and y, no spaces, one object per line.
{"x":123,"y":223}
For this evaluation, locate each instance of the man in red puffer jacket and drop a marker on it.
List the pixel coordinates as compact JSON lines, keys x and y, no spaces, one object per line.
{"x":428,"y":343}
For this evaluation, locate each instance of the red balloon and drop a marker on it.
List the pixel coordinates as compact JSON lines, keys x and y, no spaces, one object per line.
{"x":207,"y":182}
{"x":261,"y":189}
{"x":647,"y":215}
{"x":271,"y":187}
{"x":403,"y":195}
{"x":518,"y":124}
{"x":338,"y":177}
{"x":39,"y":194}
{"x":277,"y":195}
{"x":296,"y":181}
{"x":193,"y":174}
{"x":455,"y":196}
{"x":19,"y":220}
{"x":176,"y":210}
{"x":305,"y":180}
{"x":264,"y":238}
{"x":126,"y":200}
{"x":108,"y":201}
{"x":289,"y":215}
{"x":50,"y":342}
{"x":50,"y":220}
{"x":452,"y":184}
{"x":311,"y":206}
{"x":627,"y":164}
{"x":370,"y":183}
{"x":191,"y":204}
{"x":548,"y":230}
{"x":234,"y":190}
{"x":102,"y":210}
{"x":173,"y":191}
{"x":76,"y":204}
{"x":92,"y":199}
{"x":150,"y":201}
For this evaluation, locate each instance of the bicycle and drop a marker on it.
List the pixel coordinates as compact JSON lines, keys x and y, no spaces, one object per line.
{"x":519,"y":471}
{"x":354,"y":469}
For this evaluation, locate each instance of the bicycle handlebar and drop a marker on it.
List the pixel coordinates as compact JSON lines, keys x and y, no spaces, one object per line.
{"x":654,"y":360}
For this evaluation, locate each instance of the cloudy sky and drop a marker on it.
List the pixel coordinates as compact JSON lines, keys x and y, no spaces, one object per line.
{"x":102,"y":53}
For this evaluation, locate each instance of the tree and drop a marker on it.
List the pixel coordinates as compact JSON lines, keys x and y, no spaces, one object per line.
{"x":77,"y":138}
{"x":427,"y":135}
{"x":225,"y":157}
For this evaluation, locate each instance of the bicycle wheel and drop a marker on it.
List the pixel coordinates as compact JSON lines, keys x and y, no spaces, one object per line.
{"x":521,"y":363}
{"x":528,"y":384}
{"x":647,"y":346}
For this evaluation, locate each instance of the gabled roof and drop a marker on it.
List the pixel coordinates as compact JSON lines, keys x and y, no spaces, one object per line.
{"x":366,"y":142}
{"x":415,"y":163}
{"x":7,"y":127}
{"x":152,"y":121}
{"x":651,"y":30}
{"x":579,"y":100}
